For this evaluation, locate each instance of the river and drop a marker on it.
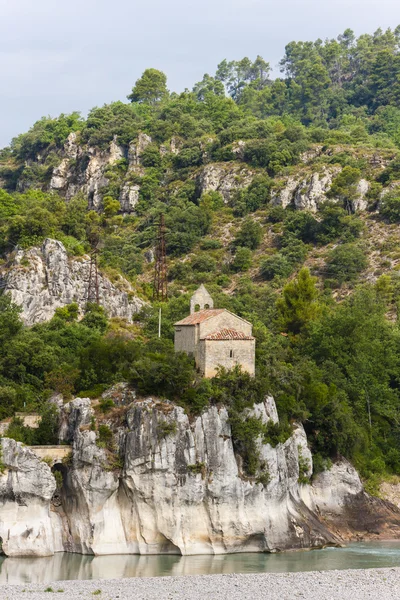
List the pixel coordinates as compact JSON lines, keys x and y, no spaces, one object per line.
{"x":65,"y":566}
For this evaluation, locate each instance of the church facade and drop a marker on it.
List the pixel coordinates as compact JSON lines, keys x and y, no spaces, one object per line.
{"x":215,"y":337}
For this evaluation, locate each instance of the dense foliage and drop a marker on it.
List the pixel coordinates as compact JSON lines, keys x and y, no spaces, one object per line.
{"x":327,"y":338}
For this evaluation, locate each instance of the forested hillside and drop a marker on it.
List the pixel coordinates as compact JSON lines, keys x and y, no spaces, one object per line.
{"x":281,"y":195}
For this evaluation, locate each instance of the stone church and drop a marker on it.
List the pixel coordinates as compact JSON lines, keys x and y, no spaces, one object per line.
{"x":215,"y":337}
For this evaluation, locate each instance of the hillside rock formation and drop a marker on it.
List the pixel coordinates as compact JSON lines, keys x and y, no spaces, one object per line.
{"x":26,"y":489}
{"x":84,"y":169}
{"x":225,"y":178}
{"x":310,"y":192}
{"x":42,"y":279}
{"x":170,"y":485}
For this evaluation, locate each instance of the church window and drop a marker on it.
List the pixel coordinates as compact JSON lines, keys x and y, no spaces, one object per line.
{"x":231,"y":353}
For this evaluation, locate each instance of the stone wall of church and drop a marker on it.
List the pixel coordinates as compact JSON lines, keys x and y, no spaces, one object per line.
{"x":186,"y":339}
{"x":227,"y":354}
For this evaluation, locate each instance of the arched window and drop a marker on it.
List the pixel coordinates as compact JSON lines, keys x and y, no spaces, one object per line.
{"x":206,"y":306}
{"x":197,"y":308}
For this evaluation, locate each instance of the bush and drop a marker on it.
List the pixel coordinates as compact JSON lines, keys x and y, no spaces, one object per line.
{"x":210,"y":244}
{"x":180,"y":271}
{"x":243,"y":259}
{"x":164,"y":429}
{"x":257,"y":195}
{"x":150,"y":156}
{"x":276,"y":266}
{"x":336,"y":223}
{"x":345,"y":262}
{"x":302,"y":225}
{"x":163,"y":374}
{"x":105,"y":436}
{"x":204,"y":264}
{"x":390,"y":208}
{"x":294,"y":250}
{"x":276,"y":214}
{"x":106,"y":404}
{"x":249,"y":235}
{"x":188,"y":157}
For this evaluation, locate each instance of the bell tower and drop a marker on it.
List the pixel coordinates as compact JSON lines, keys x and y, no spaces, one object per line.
{"x":201,"y":300}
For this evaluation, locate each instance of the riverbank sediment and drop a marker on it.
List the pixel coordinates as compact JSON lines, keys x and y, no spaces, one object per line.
{"x":329,"y":585}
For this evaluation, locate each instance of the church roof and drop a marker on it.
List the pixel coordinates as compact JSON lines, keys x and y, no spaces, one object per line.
{"x":200,"y":316}
{"x":228,"y":334}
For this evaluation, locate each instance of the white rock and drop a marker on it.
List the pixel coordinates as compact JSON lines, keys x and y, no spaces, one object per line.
{"x":129,"y":197}
{"x":361,"y":202}
{"x":26,"y":489}
{"x":225,"y":178}
{"x":333,"y":488}
{"x":51,"y":280}
{"x":179,"y":489}
{"x":285,"y":196}
{"x":136,"y":149}
{"x":311,"y":193}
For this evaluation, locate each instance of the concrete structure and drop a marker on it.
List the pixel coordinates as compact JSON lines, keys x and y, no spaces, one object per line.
{"x":52,"y":454}
{"x":215,"y":337}
{"x":31,"y":420}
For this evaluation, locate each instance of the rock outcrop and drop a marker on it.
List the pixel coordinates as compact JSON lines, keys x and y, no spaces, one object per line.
{"x":27,"y":526}
{"x":42,"y":279}
{"x":310,"y":192}
{"x":85,"y":171}
{"x":168,"y":484}
{"x":225,"y":178}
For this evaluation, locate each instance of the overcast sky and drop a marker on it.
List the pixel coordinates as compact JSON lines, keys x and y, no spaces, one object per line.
{"x":59,"y":56}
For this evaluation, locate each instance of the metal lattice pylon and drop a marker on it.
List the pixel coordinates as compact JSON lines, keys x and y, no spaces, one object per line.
{"x":160,"y":291}
{"x":93,"y":296}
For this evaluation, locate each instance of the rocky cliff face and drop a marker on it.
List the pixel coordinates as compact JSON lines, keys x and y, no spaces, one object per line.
{"x":310,"y":192}
{"x":85,"y":169}
{"x":26,"y":489}
{"x":43,"y":279}
{"x":170,"y":485}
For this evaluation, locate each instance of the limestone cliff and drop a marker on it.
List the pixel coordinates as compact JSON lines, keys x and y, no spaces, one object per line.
{"x":26,"y":489}
{"x":42,"y":279}
{"x":167,"y":484}
{"x":85,"y":169}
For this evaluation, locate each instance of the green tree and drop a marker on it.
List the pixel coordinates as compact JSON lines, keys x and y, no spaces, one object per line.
{"x":344,"y":187}
{"x":242,"y":260}
{"x":390,"y":208}
{"x":345,"y":262}
{"x":249,"y":235}
{"x":150,"y":88}
{"x":299,"y":303}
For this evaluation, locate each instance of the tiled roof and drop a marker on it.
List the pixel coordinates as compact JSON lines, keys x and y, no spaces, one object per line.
{"x":200,"y":316}
{"x":228,"y":334}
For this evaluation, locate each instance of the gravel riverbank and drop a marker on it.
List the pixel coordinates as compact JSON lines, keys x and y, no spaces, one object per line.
{"x":344,"y":585}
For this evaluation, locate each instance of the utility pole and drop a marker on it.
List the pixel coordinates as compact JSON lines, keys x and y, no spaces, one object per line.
{"x":93,"y":296}
{"x":160,"y":290}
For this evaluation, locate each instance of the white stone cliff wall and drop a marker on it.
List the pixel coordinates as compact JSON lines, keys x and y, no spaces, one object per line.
{"x":182,"y":493}
{"x":40,"y":280}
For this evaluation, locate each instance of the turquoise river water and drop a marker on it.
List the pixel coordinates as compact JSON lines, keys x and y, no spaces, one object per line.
{"x":75,"y":566}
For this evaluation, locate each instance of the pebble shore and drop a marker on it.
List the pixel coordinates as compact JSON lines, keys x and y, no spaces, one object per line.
{"x":382,"y":584}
